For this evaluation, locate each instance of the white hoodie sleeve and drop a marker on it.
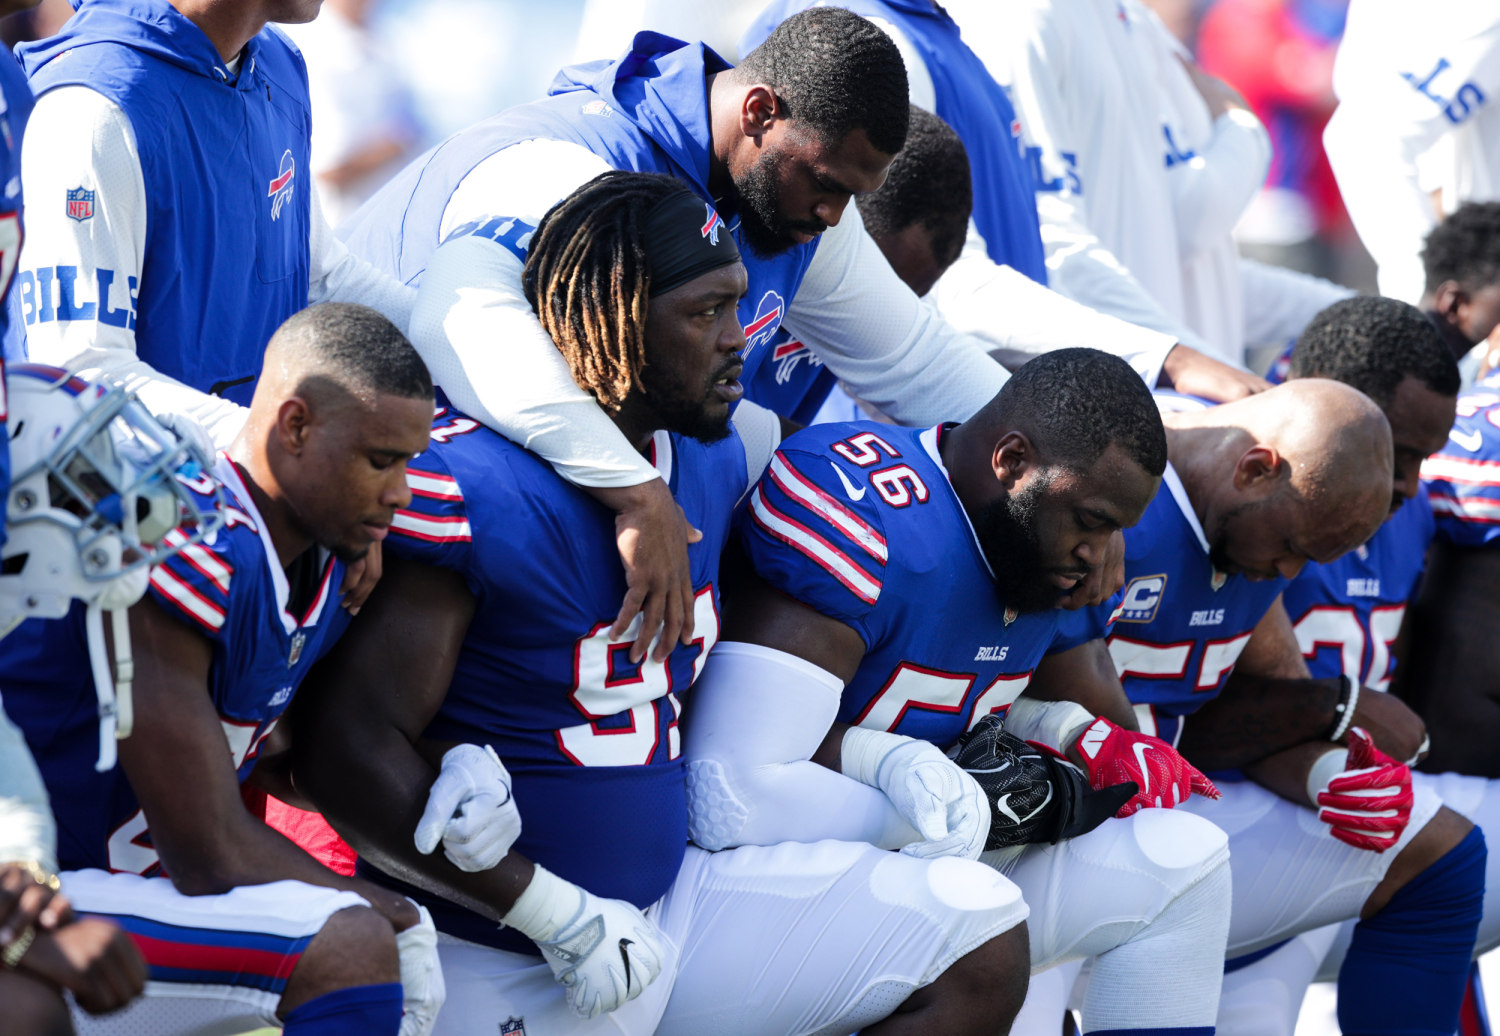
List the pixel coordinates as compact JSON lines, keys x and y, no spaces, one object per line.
{"x":76,"y":137}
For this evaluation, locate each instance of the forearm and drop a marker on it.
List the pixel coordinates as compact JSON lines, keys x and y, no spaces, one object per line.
{"x":372,"y":786}
{"x":1256,"y":717}
{"x":1084,"y":675}
{"x":1286,"y":772}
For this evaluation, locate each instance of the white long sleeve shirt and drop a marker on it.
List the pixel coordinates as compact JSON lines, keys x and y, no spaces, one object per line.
{"x":78,"y":137}
{"x":1148,"y":186}
{"x":1417,"y":129}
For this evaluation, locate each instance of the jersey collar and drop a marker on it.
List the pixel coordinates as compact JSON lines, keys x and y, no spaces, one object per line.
{"x":1179,"y":493}
{"x":227,"y":473}
{"x":929,"y":440}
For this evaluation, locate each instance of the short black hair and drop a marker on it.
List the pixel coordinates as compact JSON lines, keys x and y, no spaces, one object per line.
{"x":358,"y":345}
{"x":1073,"y":404}
{"x":928,"y":183}
{"x":1373,"y":344}
{"x":835,"y":72}
{"x":1465,"y":248}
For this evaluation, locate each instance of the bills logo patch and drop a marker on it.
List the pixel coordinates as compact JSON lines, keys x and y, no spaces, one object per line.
{"x":281,"y":186}
{"x":80,"y":204}
{"x":787,"y":355}
{"x":712,"y":225}
{"x":760,"y":328}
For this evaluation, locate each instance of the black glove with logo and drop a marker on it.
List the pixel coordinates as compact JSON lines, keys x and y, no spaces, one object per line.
{"x":1034,"y":796}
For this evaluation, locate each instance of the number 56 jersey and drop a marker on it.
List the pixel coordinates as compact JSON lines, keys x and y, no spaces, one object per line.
{"x":858,"y":521}
{"x":590,"y":738}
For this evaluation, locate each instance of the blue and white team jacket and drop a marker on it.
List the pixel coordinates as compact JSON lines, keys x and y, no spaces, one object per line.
{"x":233,"y":591}
{"x":1348,"y":612}
{"x":859,"y":522}
{"x":646,"y":112}
{"x":224,"y":160}
{"x":591,"y":740}
{"x":1463,"y":479}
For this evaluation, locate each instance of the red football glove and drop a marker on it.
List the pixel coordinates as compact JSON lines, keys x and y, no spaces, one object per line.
{"x":1369,"y":804}
{"x":1114,"y":755}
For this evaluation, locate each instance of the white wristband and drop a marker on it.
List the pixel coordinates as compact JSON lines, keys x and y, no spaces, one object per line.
{"x":862,"y":751}
{"x":1329,"y":765}
{"x":1345,"y":711}
{"x":1055,"y":724}
{"x":545,"y":907}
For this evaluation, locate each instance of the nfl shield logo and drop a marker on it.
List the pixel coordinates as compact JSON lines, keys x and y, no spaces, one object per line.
{"x":295,"y":655}
{"x":513,"y":1026}
{"x":80,"y":204}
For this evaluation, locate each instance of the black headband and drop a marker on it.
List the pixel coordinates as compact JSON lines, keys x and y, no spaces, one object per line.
{"x":685,"y":238}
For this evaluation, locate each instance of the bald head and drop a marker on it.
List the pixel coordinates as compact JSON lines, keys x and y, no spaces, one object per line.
{"x":1302,"y":472}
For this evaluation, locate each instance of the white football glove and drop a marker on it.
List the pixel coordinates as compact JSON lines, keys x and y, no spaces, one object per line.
{"x":470,"y":808}
{"x":605,"y":952}
{"x":422,"y":987}
{"x":946,"y":806}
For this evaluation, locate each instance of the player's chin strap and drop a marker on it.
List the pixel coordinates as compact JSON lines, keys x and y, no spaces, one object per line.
{"x":116,"y":711}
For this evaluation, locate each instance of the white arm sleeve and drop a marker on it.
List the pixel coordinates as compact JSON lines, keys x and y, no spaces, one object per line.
{"x":27,"y":831}
{"x":1017,"y":318}
{"x":83,"y":139}
{"x":472,"y":325}
{"x":1055,"y":724}
{"x":1211,"y":190}
{"x":759,"y":430}
{"x":865,"y":324}
{"x":1280,"y":302}
{"x":758,"y":716}
{"x":336,"y":274}
{"x":1385,"y":123}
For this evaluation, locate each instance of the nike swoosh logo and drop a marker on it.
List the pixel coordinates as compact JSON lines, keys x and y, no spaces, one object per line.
{"x":854,"y":494}
{"x":1470,"y":441}
{"x":626,"y":958}
{"x":1003,"y":805}
{"x":1140,"y":759}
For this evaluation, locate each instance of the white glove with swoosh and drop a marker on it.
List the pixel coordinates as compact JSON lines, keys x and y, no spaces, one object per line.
{"x":946,"y":806}
{"x":470,"y":808}
{"x":605,"y":952}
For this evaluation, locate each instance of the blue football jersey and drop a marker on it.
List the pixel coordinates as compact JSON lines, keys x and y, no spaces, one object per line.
{"x":1181,"y":624}
{"x":590,"y":738}
{"x":1348,"y":612}
{"x":233,"y":590}
{"x":858,"y":521}
{"x":1463,"y":478}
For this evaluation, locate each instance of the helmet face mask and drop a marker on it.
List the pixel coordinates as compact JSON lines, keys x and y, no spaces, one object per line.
{"x":97,"y":484}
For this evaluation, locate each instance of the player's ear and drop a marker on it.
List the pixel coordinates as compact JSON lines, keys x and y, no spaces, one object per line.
{"x":1259,"y":470}
{"x":292,"y":421}
{"x":1012,"y":457}
{"x":1448,"y":298}
{"x":760,"y":108}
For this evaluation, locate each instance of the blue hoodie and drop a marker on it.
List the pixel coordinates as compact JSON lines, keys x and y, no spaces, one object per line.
{"x":224,"y":159}
{"x":646,"y":112}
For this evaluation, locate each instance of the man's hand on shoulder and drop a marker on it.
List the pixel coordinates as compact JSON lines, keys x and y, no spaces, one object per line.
{"x":653,"y":536}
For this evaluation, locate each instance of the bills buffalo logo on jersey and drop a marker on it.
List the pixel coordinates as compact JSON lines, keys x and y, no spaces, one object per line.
{"x":1142,"y":598}
{"x":712,"y":225}
{"x":281,"y":185}
{"x":80,"y":204}
{"x":787,"y":355}
{"x":767,"y":319}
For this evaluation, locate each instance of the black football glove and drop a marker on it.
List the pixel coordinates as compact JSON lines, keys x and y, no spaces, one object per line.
{"x":1034,"y":795}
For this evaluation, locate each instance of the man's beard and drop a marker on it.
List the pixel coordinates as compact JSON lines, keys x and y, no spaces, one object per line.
{"x":763,"y":228}
{"x":1007,"y":534}
{"x":677,"y":409}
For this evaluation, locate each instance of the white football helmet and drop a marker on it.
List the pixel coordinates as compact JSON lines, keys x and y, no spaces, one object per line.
{"x":97,"y":484}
